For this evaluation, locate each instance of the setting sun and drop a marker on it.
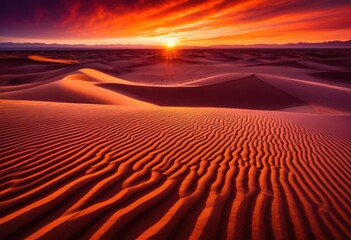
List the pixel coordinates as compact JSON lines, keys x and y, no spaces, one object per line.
{"x":170,"y":52}
{"x":171,"y":42}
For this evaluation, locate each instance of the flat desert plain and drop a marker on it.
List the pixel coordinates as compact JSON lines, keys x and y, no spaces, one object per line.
{"x":212,"y":144}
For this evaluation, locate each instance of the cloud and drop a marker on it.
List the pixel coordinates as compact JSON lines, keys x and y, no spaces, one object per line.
{"x":200,"y":21}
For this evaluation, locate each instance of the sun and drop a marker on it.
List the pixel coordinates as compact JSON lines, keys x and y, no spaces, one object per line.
{"x":171,"y":43}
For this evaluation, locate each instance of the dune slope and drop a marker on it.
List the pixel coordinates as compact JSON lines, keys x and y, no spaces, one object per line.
{"x":73,"y":88}
{"x":230,"y":90}
{"x":247,"y":92}
{"x":116,"y":172}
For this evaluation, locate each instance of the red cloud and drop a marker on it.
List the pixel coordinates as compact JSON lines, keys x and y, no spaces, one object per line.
{"x":200,"y":21}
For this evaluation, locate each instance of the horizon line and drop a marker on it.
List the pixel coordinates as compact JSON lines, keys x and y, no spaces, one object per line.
{"x":82,"y":45}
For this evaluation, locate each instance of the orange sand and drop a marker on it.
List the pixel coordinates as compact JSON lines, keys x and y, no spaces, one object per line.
{"x":115,"y":172}
{"x":129,"y":166}
{"x":53,"y":60}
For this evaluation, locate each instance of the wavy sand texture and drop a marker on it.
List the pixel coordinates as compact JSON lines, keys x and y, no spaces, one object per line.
{"x":116,"y":172}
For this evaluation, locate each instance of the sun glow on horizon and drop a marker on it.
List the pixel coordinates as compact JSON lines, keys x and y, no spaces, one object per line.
{"x":171,"y":42}
{"x":170,"y":45}
{"x":170,"y":52}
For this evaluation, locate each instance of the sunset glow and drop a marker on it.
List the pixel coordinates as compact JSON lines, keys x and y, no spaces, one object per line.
{"x":175,"y":119}
{"x":200,"y":23}
{"x":170,"y":53}
{"x":170,"y":44}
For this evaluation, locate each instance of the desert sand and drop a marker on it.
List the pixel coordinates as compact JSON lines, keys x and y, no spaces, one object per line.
{"x":215,"y":144}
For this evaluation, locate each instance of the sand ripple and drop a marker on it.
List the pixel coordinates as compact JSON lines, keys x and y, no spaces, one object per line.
{"x":127,"y":173}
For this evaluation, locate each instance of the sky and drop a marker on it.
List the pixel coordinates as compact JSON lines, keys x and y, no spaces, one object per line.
{"x":182,"y":22}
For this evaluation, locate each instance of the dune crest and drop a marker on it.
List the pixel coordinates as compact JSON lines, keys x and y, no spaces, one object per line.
{"x":77,"y":88}
{"x":312,"y":92}
{"x":105,"y":78}
{"x":53,"y":60}
{"x":231,"y":90}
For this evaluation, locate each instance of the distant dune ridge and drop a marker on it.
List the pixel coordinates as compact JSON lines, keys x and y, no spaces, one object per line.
{"x":45,"y":59}
{"x":80,"y":81}
{"x":216,"y":144}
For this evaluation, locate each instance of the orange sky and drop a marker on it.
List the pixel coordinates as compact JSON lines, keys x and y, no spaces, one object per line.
{"x":187,"y":22}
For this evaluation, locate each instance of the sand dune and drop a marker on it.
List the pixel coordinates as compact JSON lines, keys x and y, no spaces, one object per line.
{"x":107,"y":172}
{"x":46,"y":59}
{"x":181,"y":156}
{"x":76,"y":88}
{"x":233,"y":90}
{"x":341,"y":76}
{"x":224,"y":79}
{"x":13,"y":66}
{"x":247,"y":92}
{"x":312,"y":92}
